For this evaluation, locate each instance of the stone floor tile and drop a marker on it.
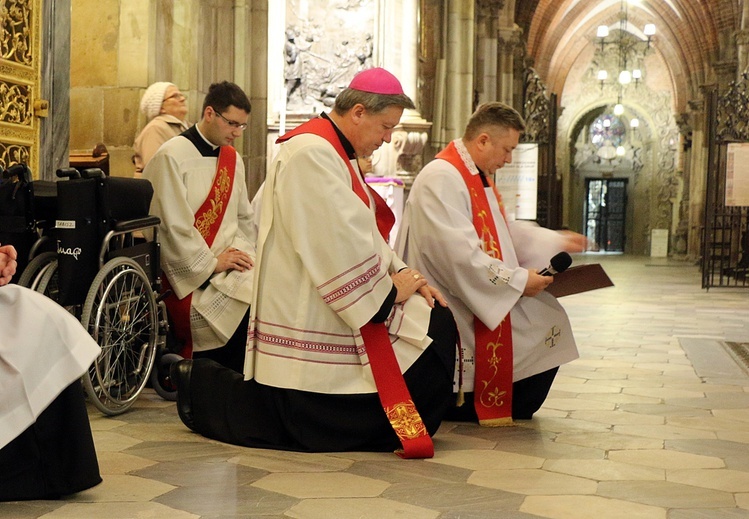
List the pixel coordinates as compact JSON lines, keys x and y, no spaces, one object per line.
{"x":666,"y":459}
{"x":610,"y":441}
{"x":708,"y":424}
{"x":532,"y":482}
{"x":589,"y":507}
{"x":121,"y":463}
{"x":198,"y":448}
{"x":116,"y":510}
{"x":585,"y":388}
{"x":726,"y":480}
{"x":617,"y":417}
{"x":741,"y":415}
{"x":228,"y":499}
{"x":279,"y":461}
{"x":664,"y":393}
{"x":742,"y":500}
{"x":667,"y":494}
{"x":604,"y":470}
{"x":450,"y":442}
{"x":734,"y":436}
{"x":321,"y":485}
{"x":29,"y":509}
{"x":195,"y":472}
{"x":561,"y":425}
{"x":417,"y":473}
{"x":120,"y":487}
{"x":481,"y":459}
{"x":573,"y":404}
{"x":453,"y":497}
{"x":358,"y":508}
{"x":620,"y":399}
{"x":109,"y":441}
{"x":664,"y":432}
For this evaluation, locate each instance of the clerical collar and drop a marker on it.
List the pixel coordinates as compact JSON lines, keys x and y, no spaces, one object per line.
{"x":484,"y":181}
{"x":347,"y":146}
{"x":204,"y":146}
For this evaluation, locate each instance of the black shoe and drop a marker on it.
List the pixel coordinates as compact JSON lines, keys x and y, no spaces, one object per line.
{"x":180,"y":373}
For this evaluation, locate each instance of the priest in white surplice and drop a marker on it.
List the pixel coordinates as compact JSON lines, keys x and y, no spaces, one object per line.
{"x":207,"y":233}
{"x":514,"y":335}
{"x":350,"y":349}
{"x":46,"y":447}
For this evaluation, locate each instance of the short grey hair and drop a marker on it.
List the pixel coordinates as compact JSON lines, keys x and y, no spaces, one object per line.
{"x":375,"y":103}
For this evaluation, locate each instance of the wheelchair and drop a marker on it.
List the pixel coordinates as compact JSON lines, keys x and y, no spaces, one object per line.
{"x":27,"y":221}
{"x":105,"y":270}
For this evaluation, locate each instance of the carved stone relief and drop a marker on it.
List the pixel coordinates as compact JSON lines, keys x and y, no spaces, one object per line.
{"x":324,"y":48}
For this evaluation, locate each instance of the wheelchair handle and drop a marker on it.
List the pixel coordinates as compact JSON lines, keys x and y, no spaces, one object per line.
{"x":21,"y":171}
{"x":68,"y":173}
{"x":92,"y":173}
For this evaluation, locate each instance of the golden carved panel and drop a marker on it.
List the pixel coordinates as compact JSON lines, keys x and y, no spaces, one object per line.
{"x":16,"y":104}
{"x":19,"y":82}
{"x":16,"y":31}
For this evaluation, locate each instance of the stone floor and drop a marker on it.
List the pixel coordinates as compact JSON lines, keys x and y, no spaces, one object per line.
{"x":651,"y":422}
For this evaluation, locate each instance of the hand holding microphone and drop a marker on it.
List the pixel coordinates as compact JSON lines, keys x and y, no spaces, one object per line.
{"x":538,"y":281}
{"x":559,"y":263}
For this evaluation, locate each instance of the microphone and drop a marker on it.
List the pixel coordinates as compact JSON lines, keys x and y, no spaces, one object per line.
{"x":558,"y":263}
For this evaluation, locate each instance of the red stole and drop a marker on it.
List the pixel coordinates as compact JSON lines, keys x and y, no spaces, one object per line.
{"x":493,"y":378}
{"x":208,"y":220}
{"x":391,"y":388}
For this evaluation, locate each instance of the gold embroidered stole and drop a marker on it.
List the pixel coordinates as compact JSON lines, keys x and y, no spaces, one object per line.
{"x":493,"y":356}
{"x":394,"y":396}
{"x":208,"y":220}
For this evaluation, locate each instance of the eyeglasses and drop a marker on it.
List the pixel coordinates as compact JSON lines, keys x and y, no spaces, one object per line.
{"x":179,"y":96}
{"x":233,"y":124}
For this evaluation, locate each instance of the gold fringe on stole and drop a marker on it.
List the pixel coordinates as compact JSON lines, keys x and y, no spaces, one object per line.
{"x":497,"y":422}
{"x":461,"y":398}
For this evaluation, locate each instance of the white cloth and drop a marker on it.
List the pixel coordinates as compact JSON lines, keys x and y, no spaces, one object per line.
{"x":182,"y":179}
{"x":322,"y":272}
{"x":438,"y":238}
{"x":43,"y":349}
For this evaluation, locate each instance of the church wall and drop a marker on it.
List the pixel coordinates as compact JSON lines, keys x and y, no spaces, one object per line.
{"x":119,"y":47}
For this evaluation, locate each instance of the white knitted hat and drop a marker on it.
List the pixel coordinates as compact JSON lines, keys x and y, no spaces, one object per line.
{"x":153,"y":97}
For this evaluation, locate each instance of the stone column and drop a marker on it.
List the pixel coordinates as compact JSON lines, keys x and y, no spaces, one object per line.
{"x":397,"y":46}
{"x":454,"y":92}
{"x":698,"y":177}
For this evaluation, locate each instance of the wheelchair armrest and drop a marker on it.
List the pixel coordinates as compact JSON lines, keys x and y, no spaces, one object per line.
{"x":137,"y":224}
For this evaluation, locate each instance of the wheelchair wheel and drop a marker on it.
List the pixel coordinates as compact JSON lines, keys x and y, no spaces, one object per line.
{"x":49,"y":284}
{"x":121,"y":315}
{"x":32,"y":274}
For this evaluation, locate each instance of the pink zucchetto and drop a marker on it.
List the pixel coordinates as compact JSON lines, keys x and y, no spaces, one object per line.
{"x":376,"y":81}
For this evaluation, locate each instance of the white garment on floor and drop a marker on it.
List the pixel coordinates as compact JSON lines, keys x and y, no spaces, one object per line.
{"x":43,"y":349}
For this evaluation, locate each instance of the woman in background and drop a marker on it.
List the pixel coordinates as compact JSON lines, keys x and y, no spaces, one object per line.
{"x":165,"y":108}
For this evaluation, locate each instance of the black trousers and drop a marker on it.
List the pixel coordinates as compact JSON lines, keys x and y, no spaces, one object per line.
{"x":55,"y":456}
{"x":229,"y":409}
{"x":528,"y":396}
{"x":232,"y":353}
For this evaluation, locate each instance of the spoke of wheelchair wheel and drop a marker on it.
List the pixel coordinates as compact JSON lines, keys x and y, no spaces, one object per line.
{"x":117,"y":333}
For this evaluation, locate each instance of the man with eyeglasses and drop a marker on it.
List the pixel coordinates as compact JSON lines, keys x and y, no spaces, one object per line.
{"x":207,"y":234}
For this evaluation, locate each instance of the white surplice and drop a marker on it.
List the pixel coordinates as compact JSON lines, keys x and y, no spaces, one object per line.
{"x":322,"y":272}
{"x":439,"y":239}
{"x":43,"y":349}
{"x":182,"y":179}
